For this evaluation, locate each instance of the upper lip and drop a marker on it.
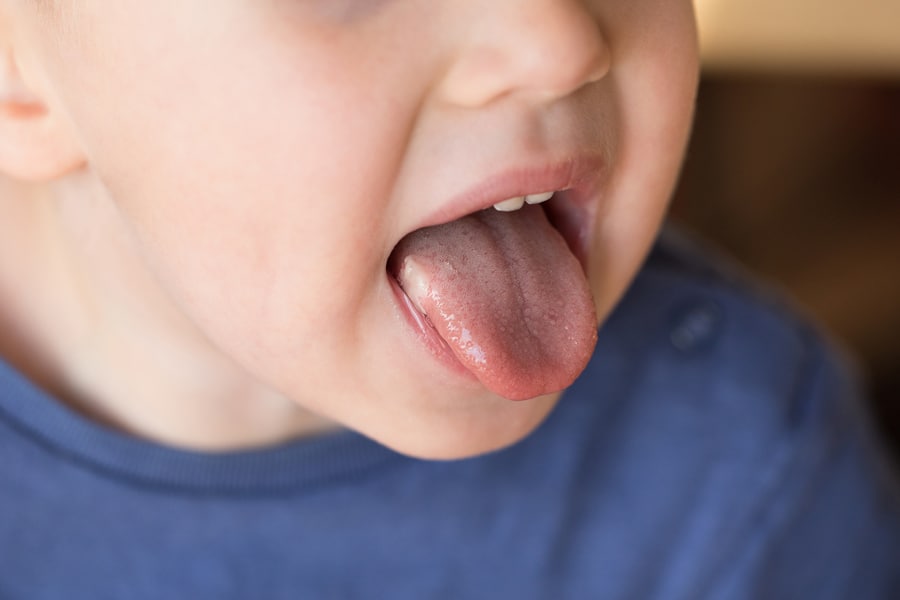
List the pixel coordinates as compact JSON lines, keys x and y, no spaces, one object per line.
{"x":546,"y":176}
{"x":573,"y":209}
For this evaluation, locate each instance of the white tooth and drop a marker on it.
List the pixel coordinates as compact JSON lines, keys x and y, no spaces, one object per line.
{"x":510,"y":205}
{"x":538,"y":198}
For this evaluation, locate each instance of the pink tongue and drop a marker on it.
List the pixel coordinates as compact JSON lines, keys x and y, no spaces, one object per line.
{"x":506,"y":295}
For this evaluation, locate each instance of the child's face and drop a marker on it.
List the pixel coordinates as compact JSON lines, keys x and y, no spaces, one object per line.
{"x":268,"y":155}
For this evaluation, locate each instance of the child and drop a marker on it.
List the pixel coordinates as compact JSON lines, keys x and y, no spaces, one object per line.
{"x":289,"y":290}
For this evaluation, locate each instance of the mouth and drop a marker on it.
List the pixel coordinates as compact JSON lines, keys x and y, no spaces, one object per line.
{"x":495,"y":284}
{"x":566,"y":190}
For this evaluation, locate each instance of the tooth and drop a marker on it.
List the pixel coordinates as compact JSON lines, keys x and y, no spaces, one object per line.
{"x":510,"y":205}
{"x":538,"y":198}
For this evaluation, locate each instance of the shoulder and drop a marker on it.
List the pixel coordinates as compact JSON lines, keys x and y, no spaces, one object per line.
{"x":699,"y":336}
{"x":700,"y":325}
{"x":715,"y":396}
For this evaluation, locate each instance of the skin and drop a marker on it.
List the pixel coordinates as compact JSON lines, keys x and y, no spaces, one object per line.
{"x":205,"y":193}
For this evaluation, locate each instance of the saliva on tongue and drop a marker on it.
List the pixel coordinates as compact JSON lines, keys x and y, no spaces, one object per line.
{"x":507,"y":296}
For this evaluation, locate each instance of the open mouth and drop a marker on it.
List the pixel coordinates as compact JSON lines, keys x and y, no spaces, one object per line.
{"x":566,"y":216}
{"x":502,"y":291}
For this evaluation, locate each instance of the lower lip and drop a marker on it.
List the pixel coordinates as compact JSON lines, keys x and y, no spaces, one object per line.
{"x":426,"y":334}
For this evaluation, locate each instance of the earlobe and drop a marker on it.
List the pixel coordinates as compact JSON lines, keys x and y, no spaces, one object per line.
{"x":35,"y":144}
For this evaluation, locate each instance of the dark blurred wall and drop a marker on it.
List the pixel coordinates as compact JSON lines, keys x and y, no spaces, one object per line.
{"x":799,"y":178}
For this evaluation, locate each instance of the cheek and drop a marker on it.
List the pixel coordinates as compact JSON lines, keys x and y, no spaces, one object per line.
{"x":654,"y":79}
{"x":256,"y":183}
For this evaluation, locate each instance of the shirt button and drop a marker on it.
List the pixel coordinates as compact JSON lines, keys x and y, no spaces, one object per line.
{"x":696,"y":327}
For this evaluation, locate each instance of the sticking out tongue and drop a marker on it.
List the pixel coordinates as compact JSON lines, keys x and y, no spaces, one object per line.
{"x":506,"y":295}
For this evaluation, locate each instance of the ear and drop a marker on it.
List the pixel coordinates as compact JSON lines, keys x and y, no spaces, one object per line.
{"x":35,"y":143}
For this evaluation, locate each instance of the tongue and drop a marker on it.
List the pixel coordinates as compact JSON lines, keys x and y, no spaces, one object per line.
{"x":506,"y":295}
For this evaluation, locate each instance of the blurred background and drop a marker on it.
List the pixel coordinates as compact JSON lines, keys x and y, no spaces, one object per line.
{"x":794,"y":167}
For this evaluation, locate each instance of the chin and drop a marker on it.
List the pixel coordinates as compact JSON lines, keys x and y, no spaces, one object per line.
{"x":453,"y":435}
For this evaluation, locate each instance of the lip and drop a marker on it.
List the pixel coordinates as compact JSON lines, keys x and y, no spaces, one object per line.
{"x":572,"y":209}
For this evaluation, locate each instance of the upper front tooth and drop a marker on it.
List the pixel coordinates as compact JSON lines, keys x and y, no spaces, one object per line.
{"x":511,"y":204}
{"x":538,"y":198}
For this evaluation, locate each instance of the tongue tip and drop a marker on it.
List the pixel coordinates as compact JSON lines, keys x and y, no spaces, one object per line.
{"x":526,"y":384}
{"x":519,"y":392}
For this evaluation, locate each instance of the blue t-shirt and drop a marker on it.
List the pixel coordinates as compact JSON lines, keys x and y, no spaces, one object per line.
{"x":714,"y":448}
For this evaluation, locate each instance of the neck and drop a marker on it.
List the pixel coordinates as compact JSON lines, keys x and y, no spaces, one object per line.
{"x":82,"y":316}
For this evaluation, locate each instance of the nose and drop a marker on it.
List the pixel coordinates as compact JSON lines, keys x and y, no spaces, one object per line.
{"x":543,"y":48}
